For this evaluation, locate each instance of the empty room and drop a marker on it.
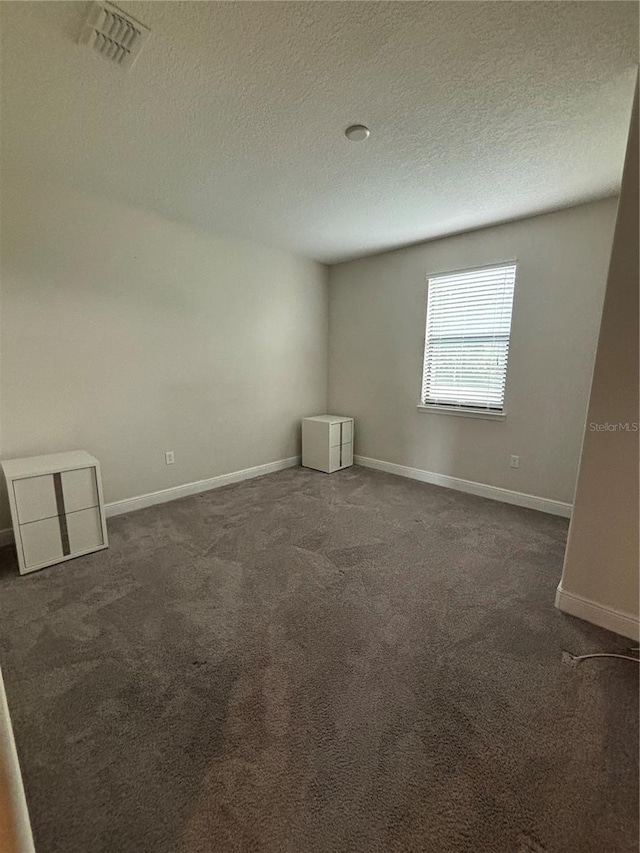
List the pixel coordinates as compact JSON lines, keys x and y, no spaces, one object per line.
{"x":319,"y":427}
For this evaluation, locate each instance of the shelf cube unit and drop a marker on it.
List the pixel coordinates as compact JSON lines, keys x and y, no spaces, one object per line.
{"x":327,"y":443}
{"x":57,"y":508}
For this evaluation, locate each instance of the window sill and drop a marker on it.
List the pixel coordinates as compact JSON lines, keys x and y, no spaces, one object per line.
{"x":462,"y":412}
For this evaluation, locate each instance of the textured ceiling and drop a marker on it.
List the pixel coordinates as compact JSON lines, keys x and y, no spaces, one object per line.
{"x":233,"y":117}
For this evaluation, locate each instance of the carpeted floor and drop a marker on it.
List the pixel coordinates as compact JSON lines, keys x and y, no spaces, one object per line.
{"x":304,"y":663}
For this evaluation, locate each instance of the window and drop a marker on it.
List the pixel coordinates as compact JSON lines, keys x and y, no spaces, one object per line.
{"x":467,"y":339}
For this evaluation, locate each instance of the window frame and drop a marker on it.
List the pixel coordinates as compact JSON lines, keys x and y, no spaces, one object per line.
{"x":456,"y":409}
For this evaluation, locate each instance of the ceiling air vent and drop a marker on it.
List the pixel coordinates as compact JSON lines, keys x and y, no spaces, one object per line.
{"x":112,"y":33}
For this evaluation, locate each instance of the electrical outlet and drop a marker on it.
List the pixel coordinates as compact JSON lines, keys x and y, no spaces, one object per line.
{"x":168,"y":457}
{"x":515,"y":461}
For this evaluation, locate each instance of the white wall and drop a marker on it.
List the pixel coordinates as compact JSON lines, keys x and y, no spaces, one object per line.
{"x":600,"y":577}
{"x":376,"y":341}
{"x":127,"y":335}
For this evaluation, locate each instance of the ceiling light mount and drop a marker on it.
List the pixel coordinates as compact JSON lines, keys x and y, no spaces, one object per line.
{"x":357,"y":133}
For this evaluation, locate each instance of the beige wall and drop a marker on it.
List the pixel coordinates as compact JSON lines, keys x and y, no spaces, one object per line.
{"x":376,"y":340}
{"x":601,"y":563}
{"x":127,"y":335}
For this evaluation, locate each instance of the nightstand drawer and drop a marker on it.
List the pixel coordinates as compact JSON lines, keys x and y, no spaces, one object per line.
{"x":41,"y":542}
{"x":35,"y":498}
{"x":340,"y":433}
{"x":340,"y":457}
{"x":85,"y":530}
{"x":79,"y":489}
{"x":334,"y":435}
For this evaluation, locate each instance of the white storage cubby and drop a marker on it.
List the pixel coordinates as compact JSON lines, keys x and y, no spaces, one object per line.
{"x":57,"y":508}
{"x":327,"y":443}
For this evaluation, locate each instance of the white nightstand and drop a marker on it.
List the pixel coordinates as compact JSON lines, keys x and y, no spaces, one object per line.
{"x":57,"y":508}
{"x":327,"y":443}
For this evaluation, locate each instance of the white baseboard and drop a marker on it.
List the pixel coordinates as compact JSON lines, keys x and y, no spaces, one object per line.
{"x":166,"y":495}
{"x":480,"y":489}
{"x":598,"y":614}
{"x":172,"y":494}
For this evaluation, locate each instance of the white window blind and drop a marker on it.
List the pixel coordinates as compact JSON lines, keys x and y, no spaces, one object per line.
{"x":467,"y":338}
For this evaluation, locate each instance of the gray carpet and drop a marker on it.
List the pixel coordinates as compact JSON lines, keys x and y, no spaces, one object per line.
{"x":305,"y":663}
